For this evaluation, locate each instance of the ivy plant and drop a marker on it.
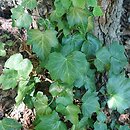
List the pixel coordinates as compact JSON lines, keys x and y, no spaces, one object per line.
{"x":76,"y":97}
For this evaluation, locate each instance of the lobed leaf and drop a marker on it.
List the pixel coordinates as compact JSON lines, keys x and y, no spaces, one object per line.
{"x":68,"y":68}
{"x":29,"y":4}
{"x":42,"y":42}
{"x":118,"y":88}
{"x":9,"y":124}
{"x":21,"y":18}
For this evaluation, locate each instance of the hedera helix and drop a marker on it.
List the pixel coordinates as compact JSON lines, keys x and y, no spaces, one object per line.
{"x":68,"y":50}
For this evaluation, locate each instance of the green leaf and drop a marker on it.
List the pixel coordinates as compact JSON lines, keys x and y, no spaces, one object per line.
{"x":118,"y":58}
{"x":51,"y":122}
{"x":91,"y":45}
{"x":77,"y":16}
{"x":72,"y":113}
{"x":118,"y":88}
{"x":66,"y":3}
{"x":9,"y":79}
{"x":56,"y":89}
{"x":90,"y":104}
{"x":67,"y":69}
{"x":102,"y":59}
{"x":59,"y":11}
{"x":88,"y":81}
{"x":71,"y":43}
{"x":23,"y":66}
{"x":79,"y":3}
{"x":9,"y":124}
{"x":97,"y":11}
{"x":125,"y":127}
{"x":112,"y":58}
{"x":23,"y":90}
{"x":92,"y":3}
{"x":41,"y":104}
{"x":29,"y":4}
{"x":100,"y":126}
{"x":101,"y":117}
{"x":2,"y":50}
{"x":42,"y":42}
{"x":20,"y":17}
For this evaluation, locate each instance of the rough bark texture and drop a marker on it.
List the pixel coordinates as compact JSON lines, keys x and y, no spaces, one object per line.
{"x":107,"y":27}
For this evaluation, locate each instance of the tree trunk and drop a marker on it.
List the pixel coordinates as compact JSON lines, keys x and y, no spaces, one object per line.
{"x":108,"y":27}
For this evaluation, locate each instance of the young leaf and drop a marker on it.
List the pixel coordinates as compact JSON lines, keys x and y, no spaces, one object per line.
{"x":118,"y":87}
{"x":29,"y":4}
{"x":41,"y":104}
{"x":42,"y":42}
{"x":51,"y":122}
{"x":67,"y":69}
{"x":2,"y":50}
{"x":90,"y":104}
{"x":77,"y":16}
{"x":9,"y":124}
{"x":23,"y":66}
{"x":100,"y":126}
{"x":79,"y":3}
{"x":20,"y":17}
{"x":9,"y":79}
{"x":97,"y":11}
{"x":23,"y":89}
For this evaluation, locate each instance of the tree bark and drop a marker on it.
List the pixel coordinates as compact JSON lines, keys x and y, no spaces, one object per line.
{"x":107,"y":27}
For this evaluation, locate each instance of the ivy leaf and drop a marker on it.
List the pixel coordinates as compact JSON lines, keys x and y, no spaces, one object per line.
{"x":23,"y":66}
{"x":125,"y":127}
{"x":71,"y":43}
{"x":72,"y":113}
{"x":101,"y":117}
{"x":9,"y":79}
{"x":51,"y":122}
{"x":29,"y":4}
{"x":88,"y":81}
{"x":55,"y":89}
{"x":91,"y":45}
{"x":92,"y":3}
{"x":88,"y":100}
{"x":102,"y":59}
{"x":59,"y":11}
{"x":9,"y":124}
{"x":100,"y":126}
{"x":66,"y":3}
{"x":2,"y":50}
{"x":118,"y":58}
{"x":118,"y":87}
{"x":97,"y":11}
{"x":77,"y":16}
{"x":42,"y":42}
{"x":20,"y":17}
{"x":23,"y":89}
{"x":79,"y":3}
{"x":67,"y":69}
{"x":41,"y":104}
